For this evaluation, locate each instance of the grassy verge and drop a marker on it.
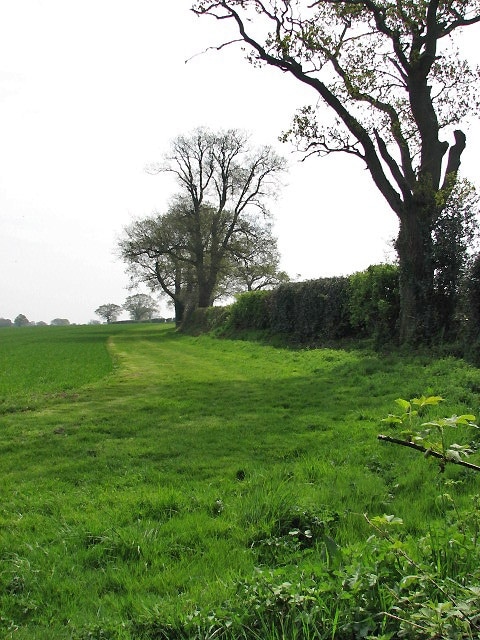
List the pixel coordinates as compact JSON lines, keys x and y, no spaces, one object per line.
{"x":139,"y":498}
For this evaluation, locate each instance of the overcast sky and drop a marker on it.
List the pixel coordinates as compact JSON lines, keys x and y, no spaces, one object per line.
{"x":91,"y":92}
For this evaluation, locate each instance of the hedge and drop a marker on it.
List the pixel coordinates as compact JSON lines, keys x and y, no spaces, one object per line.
{"x":364,"y":304}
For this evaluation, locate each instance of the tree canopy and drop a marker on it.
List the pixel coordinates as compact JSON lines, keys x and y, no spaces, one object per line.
{"x":140,"y":306}
{"x":21,"y":320}
{"x":217,"y":227}
{"x":397,"y":90}
{"x":109,"y":312}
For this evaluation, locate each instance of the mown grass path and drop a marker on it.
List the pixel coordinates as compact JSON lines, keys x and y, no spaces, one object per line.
{"x":151,"y":490}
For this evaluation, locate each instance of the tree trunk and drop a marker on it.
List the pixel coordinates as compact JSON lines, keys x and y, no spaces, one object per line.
{"x":178,"y":302}
{"x":179,"y":311}
{"x":204,"y":293}
{"x":414,"y":248}
{"x":207,"y":280}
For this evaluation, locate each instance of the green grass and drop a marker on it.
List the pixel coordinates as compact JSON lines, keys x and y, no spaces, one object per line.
{"x":146,"y":474}
{"x":36,"y":362}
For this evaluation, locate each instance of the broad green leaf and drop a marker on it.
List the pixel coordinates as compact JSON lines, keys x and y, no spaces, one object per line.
{"x":391,"y":419}
{"x":423,"y":401}
{"x":467,"y":418}
{"x":403,"y":403}
{"x":387,"y":519}
{"x":461,"y":447}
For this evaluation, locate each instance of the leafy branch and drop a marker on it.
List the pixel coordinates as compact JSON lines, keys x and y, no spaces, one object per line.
{"x":430,"y":437}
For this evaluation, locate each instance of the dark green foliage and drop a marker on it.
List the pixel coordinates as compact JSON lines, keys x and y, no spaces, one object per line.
{"x":217,"y":317}
{"x":312,"y":309}
{"x":455,"y":235}
{"x":252,"y":310}
{"x":471,"y":320}
{"x":473,"y":294}
{"x":205,"y":319}
{"x":365,"y":304}
{"x":374,"y":301}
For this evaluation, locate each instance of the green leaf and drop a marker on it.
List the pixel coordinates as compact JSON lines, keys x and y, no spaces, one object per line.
{"x":387,"y":520}
{"x":430,"y":400}
{"x":403,"y":403}
{"x":391,"y":419}
{"x":467,"y":418}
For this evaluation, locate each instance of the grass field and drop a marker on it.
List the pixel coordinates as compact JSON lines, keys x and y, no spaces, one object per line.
{"x":149,"y":479}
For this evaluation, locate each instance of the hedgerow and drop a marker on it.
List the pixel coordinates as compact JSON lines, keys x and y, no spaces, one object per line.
{"x":365,"y":304}
{"x":252,"y":310}
{"x":325,"y":309}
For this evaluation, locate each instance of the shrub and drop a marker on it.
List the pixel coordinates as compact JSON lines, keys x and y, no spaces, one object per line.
{"x":205,"y":319}
{"x":251,"y":310}
{"x":374,"y":301}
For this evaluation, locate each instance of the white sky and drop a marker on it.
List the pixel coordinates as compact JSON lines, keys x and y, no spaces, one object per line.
{"x":92,"y":91}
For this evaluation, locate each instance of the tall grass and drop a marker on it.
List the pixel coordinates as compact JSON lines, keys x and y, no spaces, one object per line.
{"x":197,"y":475}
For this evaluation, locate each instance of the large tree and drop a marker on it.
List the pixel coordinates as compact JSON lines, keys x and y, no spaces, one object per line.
{"x":160,"y":251}
{"x":225,"y":185}
{"x":396,"y":89}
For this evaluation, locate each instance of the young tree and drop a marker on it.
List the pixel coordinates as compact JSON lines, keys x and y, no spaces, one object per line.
{"x":393,"y":81}
{"x":140,"y":306}
{"x":109,"y":311}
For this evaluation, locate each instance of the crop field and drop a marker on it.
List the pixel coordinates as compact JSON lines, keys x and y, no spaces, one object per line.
{"x":156,"y":485}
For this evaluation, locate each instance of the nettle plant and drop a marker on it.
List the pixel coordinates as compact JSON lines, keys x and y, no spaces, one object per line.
{"x":432,"y":437}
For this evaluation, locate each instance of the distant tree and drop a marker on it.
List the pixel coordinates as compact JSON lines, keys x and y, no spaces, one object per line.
{"x":5,"y":322}
{"x":163,"y":251}
{"x":41,"y":324}
{"x":60,"y":322}
{"x":21,"y":321}
{"x":140,"y":306}
{"x":223,"y":181}
{"x":109,"y":311}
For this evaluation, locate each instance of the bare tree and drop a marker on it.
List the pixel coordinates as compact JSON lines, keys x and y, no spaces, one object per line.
{"x":393,"y":82}
{"x":256,"y":259}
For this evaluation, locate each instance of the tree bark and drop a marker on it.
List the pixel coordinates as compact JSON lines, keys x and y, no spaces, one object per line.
{"x":414,"y":246}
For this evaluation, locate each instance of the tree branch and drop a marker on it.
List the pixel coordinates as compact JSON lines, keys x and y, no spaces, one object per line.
{"x":454,"y":156}
{"x":435,"y":454}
